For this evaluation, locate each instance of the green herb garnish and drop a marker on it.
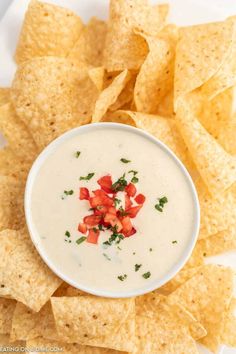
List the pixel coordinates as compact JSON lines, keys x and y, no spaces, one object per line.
{"x":106,"y":256}
{"x":80,"y":240}
{"x":117,"y":202}
{"x":114,"y":238}
{"x":174,"y":241}
{"x":137,"y":267}
{"x":134,"y":172}
{"x":120,"y":184}
{"x":77,"y":154}
{"x":70,"y":192}
{"x":119,"y":248}
{"x":122,"y":212}
{"x":100,"y":227}
{"x":122,"y":277}
{"x":150,"y":249}
{"x":67,"y":234}
{"x":161,"y":203}
{"x":88,"y":177}
{"x":134,"y":180}
{"x":134,"y":253}
{"x":124,"y":160}
{"x":146,"y":275}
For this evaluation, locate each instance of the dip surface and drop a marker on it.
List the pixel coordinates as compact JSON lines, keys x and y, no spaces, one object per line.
{"x":161,"y":238}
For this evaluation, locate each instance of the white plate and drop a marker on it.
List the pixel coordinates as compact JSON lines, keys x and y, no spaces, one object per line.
{"x":183,"y":12}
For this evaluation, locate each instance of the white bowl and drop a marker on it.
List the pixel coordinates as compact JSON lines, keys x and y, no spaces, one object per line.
{"x":35,"y":237}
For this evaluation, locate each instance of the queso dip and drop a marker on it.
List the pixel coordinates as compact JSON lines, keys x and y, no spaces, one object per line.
{"x":112,"y":209}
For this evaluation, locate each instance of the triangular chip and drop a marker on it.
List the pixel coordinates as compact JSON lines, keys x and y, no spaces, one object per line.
{"x":52,"y":95}
{"x":7,"y":308}
{"x":47,"y":30}
{"x":229,"y":324}
{"x":4,"y":95}
{"x":97,"y":76}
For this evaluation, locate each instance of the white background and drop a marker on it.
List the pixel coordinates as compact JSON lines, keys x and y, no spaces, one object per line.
{"x":183,"y":12}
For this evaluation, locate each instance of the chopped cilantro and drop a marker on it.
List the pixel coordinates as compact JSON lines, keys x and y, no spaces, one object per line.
{"x":134,"y":180}
{"x":134,"y":253}
{"x":100,"y":227}
{"x":146,"y":275}
{"x":70,"y":192}
{"x":80,"y":240}
{"x":117,"y":202}
{"x":137,"y":267}
{"x":150,"y":249}
{"x":119,"y":248}
{"x":77,"y":154}
{"x":114,"y":238}
{"x":122,"y":277}
{"x":161,"y":203}
{"x":122,"y":212}
{"x":88,"y":177}
{"x":67,"y":233}
{"x":175,"y":241}
{"x":106,"y":256}
{"x":124,"y":160}
{"x":120,"y":184}
{"x":134,"y":172}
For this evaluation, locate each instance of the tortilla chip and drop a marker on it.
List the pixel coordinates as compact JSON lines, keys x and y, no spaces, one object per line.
{"x":126,"y":95}
{"x":215,"y":165}
{"x":52,"y":95}
{"x":25,"y":275}
{"x":7,"y":308}
{"x":68,"y":290}
{"x":180,"y":278}
{"x":200,"y":52}
{"x":158,"y":306}
{"x":13,"y":166}
{"x":124,"y":49}
{"x":12,"y":203}
{"x":166,"y":106}
{"x":48,"y":30}
{"x":68,"y":348}
{"x":163,"y":11}
{"x":27,"y":324}
{"x":6,"y":342}
{"x":229,"y":325}
{"x":156,"y":75}
{"x":4,"y":95}
{"x":95,"y":321}
{"x":110,"y":95}
{"x":88,"y":50}
{"x":17,"y":134}
{"x":207,"y":295}
{"x":97,"y":77}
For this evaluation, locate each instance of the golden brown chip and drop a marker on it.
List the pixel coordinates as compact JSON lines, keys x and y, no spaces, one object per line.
{"x":52,"y":95}
{"x":12,"y":203}
{"x":200,"y":52}
{"x":95,"y":321}
{"x":229,"y":325}
{"x":27,"y":324}
{"x":88,"y":50}
{"x":48,"y":30}
{"x":25,"y":275}
{"x":215,"y":165}
{"x":5,"y":342}
{"x":4,"y":95}
{"x":7,"y":308}
{"x":17,"y":134}
{"x":124,"y":49}
{"x":166,"y":106}
{"x":155,"y":78}
{"x":13,"y":166}
{"x":69,"y":348}
{"x":207,"y":296}
{"x":68,"y":290}
{"x":110,"y":95}
{"x":97,"y":76}
{"x":126,"y":95}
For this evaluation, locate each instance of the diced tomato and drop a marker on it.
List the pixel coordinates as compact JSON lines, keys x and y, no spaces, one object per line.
{"x":133,"y":211}
{"x":126,"y":224}
{"x":82,"y":228}
{"x":103,"y":223}
{"x":112,"y":210}
{"x":92,"y":220}
{"x":140,"y":199}
{"x":128,"y":202}
{"x":113,"y":221}
{"x":84,"y":193}
{"x":130,"y":190}
{"x":100,"y":201}
{"x":93,"y":236}
{"x":106,"y":182}
{"x":100,"y":193}
{"x":130,"y":233}
{"x":101,"y":210}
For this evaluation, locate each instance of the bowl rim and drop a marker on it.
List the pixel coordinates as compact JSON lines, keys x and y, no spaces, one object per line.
{"x":42,"y":252}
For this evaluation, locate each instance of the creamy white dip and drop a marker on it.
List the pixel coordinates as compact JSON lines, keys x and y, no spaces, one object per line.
{"x":161,"y":237}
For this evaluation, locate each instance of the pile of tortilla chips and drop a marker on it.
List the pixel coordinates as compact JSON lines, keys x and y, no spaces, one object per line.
{"x":179,"y":85}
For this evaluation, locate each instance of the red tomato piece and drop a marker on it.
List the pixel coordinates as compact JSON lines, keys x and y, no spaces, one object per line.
{"x":130,"y":190}
{"x":105,"y":183}
{"x":133,"y":211}
{"x":130,"y":233}
{"x":93,"y":236}
{"x":128,"y":202}
{"x":101,"y":201}
{"x":82,"y":228}
{"x":140,"y":199}
{"x":92,"y":220}
{"x":112,"y":210}
{"x":100,"y":193}
{"x":84,"y":193}
{"x":113,"y":221}
{"x":101,"y":210}
{"x":126,"y":224}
